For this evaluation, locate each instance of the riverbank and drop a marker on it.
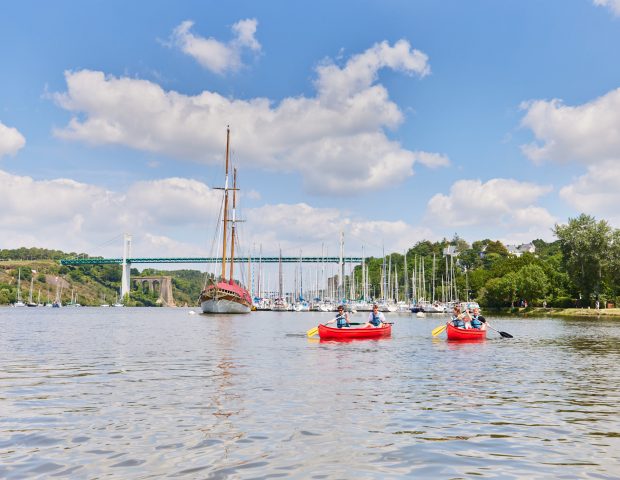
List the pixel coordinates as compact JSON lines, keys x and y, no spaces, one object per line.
{"x":558,"y":312}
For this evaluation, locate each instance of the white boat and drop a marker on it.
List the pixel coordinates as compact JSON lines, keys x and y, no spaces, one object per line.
{"x":279,"y":305}
{"x":19,"y":302}
{"x":469,"y":306}
{"x":435,"y":307}
{"x":225,"y":295}
{"x":363,"y":306}
{"x":301,"y":306}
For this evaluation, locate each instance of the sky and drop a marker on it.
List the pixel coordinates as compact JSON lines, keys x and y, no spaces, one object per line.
{"x":393,"y":121}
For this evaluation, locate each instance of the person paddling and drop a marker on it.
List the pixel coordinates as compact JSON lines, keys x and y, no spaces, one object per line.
{"x":376,"y":318}
{"x":342,"y":319}
{"x":478,"y":321}
{"x":457,"y":317}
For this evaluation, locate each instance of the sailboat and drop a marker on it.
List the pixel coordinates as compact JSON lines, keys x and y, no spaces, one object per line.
{"x":225,"y":295}
{"x":19,"y":302}
{"x":280,"y":305}
{"x":31,"y":303}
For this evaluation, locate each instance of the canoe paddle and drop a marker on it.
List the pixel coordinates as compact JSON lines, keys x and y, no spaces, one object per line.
{"x":312,"y":331}
{"x":439,"y":329}
{"x":503,"y":334}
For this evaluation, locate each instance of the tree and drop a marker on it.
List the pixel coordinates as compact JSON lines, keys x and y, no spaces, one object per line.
{"x":532,"y":282}
{"x":585,"y":245}
{"x":502,"y":291}
{"x":496,"y":247}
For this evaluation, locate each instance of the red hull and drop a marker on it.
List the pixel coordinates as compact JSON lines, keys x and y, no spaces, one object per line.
{"x":329,"y":333}
{"x":465,"y":334}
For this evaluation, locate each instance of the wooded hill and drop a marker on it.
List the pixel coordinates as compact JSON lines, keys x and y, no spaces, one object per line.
{"x":91,"y":284}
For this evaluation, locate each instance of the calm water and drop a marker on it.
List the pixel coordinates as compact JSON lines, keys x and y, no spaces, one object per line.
{"x":152,"y":393}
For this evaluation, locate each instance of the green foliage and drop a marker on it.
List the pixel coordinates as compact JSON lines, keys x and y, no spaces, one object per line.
{"x":496,"y":247}
{"x":532,"y":283}
{"x":586,"y":247}
{"x":500,"y":292}
{"x":584,"y":260}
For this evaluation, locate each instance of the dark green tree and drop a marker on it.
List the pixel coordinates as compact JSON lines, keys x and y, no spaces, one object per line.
{"x":586,"y":247}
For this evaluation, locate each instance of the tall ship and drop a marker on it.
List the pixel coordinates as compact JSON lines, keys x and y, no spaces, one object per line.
{"x":224,"y":295}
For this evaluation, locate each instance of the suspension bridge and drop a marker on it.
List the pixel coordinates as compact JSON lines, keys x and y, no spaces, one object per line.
{"x":126,"y":261}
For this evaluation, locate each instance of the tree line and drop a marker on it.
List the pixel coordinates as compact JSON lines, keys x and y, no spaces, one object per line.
{"x":580,"y":268}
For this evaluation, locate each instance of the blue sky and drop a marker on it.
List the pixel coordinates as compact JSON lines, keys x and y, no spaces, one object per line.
{"x":394,"y":121}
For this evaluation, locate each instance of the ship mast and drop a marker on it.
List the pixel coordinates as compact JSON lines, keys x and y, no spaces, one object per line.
{"x":225,"y":207}
{"x":232,"y":236}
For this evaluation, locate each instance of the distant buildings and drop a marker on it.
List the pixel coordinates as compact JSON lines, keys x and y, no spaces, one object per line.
{"x":521,"y":249}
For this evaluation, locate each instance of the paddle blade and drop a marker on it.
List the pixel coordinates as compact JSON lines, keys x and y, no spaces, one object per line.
{"x":312,"y":331}
{"x":505,"y":334}
{"x":438,"y":330}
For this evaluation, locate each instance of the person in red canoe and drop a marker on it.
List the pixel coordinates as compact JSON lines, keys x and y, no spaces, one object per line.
{"x":478,"y":321}
{"x":375,"y":318}
{"x":457,"y":317}
{"x":342,"y":319}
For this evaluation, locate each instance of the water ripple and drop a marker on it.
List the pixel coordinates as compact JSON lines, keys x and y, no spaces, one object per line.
{"x":136,"y":393}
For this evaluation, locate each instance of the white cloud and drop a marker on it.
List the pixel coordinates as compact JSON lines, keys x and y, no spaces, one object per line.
{"x":597,"y":192}
{"x":613,"y":5}
{"x":214,"y":55}
{"x":432,"y":160}
{"x":588,"y":133}
{"x":339,"y":133}
{"x":10,"y":140}
{"x":294,"y":226}
{"x":175,"y":217}
{"x":501,"y":202}
{"x":360,"y":72}
{"x":69,"y":215}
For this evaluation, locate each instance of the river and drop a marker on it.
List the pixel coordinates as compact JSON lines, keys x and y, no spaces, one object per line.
{"x":132,"y":393}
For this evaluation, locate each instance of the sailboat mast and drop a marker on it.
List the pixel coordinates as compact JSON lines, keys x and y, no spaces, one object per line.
{"x":433,"y":277}
{"x":234,"y":224}
{"x":260,"y":272}
{"x":225,"y":207}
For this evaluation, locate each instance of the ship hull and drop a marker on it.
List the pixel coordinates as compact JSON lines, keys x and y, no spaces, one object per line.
{"x":225,"y":297}
{"x":223,"y":306}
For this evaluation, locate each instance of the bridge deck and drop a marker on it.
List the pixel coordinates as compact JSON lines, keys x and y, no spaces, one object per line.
{"x":119,"y":261}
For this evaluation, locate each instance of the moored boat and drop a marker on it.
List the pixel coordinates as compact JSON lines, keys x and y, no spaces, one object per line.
{"x":331,"y":333}
{"x":455,"y":333}
{"x":225,"y":295}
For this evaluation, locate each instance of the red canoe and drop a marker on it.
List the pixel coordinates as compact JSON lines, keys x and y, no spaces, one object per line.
{"x":465,"y":334}
{"x":330,"y":333}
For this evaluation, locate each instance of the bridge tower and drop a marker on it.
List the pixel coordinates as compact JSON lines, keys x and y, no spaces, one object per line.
{"x":125,"y":279}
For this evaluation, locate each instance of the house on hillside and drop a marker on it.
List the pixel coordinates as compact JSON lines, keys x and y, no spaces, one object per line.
{"x":450,"y":251}
{"x":521,"y":249}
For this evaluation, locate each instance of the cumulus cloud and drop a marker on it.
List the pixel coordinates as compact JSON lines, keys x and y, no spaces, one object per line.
{"x":361,"y":70}
{"x":596,"y":192}
{"x":70,"y":215}
{"x":10,"y":140}
{"x":613,"y":5}
{"x":175,"y":217}
{"x":500,"y":201}
{"x":588,"y":133}
{"x":338,"y":132}
{"x":219,"y":57}
{"x":300,"y":225}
